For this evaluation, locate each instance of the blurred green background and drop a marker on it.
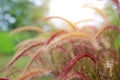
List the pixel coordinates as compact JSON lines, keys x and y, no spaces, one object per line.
{"x":17,"y":13}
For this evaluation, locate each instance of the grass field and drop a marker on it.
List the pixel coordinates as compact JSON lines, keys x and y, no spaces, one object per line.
{"x":4,"y":59}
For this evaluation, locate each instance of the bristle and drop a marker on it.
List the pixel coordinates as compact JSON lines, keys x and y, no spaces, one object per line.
{"x":26,"y":43}
{"x":34,"y":73}
{"x":23,"y":52}
{"x":100,"y":12}
{"x":26,"y":28}
{"x":53,"y":17}
{"x":34,"y":57}
{"x":62,"y":51}
{"x":71,"y":35}
{"x":75,"y":75}
{"x":82,"y":21}
{"x":54,"y":35}
{"x":72,"y":63}
{"x":4,"y":79}
{"x":106,"y":29}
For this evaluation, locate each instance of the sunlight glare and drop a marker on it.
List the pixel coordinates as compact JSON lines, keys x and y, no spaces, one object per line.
{"x":73,"y":9}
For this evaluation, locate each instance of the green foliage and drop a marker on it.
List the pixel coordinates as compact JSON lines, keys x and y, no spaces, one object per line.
{"x":16,"y":13}
{"x":117,"y":43}
{"x":6,"y":43}
{"x":112,"y":14}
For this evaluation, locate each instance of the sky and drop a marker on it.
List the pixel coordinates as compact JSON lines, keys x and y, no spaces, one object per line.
{"x":74,"y":11}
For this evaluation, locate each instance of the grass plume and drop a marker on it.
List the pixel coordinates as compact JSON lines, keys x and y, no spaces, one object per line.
{"x":63,"y":54}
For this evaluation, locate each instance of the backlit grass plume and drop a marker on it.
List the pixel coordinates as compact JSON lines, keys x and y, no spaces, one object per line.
{"x":69,"y":55}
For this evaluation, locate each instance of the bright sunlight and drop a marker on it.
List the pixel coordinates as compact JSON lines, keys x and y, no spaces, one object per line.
{"x":73,"y":10}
